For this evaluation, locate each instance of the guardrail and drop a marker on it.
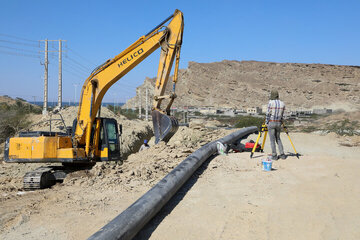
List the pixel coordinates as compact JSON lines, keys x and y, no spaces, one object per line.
{"x":127,"y":224}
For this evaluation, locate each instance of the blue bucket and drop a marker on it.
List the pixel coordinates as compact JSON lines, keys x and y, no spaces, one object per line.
{"x":266,"y":164}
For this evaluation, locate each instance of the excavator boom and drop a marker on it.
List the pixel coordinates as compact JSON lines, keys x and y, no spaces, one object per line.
{"x":95,"y":138}
{"x":169,"y":38}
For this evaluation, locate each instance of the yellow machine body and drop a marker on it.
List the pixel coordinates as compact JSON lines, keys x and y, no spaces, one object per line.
{"x":44,"y":149}
{"x":36,"y":148}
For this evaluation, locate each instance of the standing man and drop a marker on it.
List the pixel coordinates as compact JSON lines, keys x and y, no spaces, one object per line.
{"x":274,"y":118}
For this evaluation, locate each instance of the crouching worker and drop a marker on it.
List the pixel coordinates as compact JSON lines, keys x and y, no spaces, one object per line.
{"x":274,"y":118}
{"x":144,"y":146}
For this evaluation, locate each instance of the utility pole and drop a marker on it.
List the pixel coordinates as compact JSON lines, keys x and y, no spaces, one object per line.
{"x":146,"y":105}
{"x":126,"y":103}
{"x":45,"y":104}
{"x":115,"y":101}
{"x":140,"y":103}
{"x":187,"y":114}
{"x":46,"y":75}
{"x":60,"y":77}
{"x":34,"y":97}
{"x":75,"y":86}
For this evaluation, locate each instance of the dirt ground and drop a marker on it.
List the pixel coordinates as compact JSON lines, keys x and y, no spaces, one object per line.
{"x":229,"y":197}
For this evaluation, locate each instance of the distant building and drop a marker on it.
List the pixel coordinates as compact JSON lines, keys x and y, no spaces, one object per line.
{"x":229,"y":112}
{"x":207,"y":111}
{"x":301,"y":112}
{"x":253,"y":110}
{"x":239,"y":111}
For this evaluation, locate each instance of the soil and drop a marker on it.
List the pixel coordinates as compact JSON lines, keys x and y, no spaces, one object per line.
{"x":229,"y":197}
{"x":300,"y":85}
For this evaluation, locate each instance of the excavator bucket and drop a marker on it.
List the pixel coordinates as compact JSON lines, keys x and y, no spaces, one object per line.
{"x":164,"y":126}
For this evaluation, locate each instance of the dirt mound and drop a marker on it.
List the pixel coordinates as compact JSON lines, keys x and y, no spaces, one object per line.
{"x":148,"y":166}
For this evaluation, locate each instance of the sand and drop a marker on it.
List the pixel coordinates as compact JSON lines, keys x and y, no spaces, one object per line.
{"x":229,"y":197}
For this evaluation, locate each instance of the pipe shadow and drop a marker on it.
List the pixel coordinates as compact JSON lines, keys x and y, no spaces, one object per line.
{"x":151,"y":226}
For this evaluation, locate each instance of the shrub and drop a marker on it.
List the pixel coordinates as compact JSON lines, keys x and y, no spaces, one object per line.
{"x":309,"y":129}
{"x":247,"y":121}
{"x":13,"y":118}
{"x":129,"y":114}
{"x":344,"y":127}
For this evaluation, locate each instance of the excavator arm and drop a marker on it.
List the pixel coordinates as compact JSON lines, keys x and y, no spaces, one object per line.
{"x":169,"y":38}
{"x":95,"y":138}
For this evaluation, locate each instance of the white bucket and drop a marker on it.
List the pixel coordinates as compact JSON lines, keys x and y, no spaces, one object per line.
{"x":267,"y":164}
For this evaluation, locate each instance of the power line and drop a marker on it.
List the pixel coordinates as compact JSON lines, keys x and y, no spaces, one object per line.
{"x":15,"y":37}
{"x":19,"y":49}
{"x":81,"y":56}
{"x":78,"y":70}
{"x":19,"y":54}
{"x":87,"y":71}
{"x":20,"y":43}
{"x":74,"y":74}
{"x":82,"y":67}
{"x":86,"y":68}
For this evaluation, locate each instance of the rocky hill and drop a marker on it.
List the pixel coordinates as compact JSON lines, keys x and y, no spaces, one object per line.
{"x":242,"y":84}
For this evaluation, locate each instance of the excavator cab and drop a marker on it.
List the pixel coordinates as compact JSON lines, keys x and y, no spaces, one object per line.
{"x":109,"y":144}
{"x":105,"y":138}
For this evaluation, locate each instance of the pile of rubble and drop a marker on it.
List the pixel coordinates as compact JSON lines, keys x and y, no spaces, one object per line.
{"x":137,"y":168}
{"x":149,"y":166}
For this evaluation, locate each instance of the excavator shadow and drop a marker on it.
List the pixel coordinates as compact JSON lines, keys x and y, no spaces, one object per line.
{"x":151,"y":226}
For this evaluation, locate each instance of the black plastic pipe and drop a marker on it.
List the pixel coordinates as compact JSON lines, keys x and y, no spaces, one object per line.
{"x":133,"y":219}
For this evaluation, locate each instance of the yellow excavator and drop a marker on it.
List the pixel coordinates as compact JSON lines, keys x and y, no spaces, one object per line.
{"x":94,"y":138}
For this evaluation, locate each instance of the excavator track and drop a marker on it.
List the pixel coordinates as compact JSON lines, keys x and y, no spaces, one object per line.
{"x":44,"y":177}
{"x":41,"y":177}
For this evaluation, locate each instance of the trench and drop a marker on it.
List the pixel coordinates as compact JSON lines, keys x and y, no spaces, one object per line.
{"x":128,"y":147}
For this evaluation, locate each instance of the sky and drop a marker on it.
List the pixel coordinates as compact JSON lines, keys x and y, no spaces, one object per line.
{"x":304,"y":31}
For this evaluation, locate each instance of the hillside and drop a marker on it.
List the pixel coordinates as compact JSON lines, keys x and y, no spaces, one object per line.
{"x":241,"y":84}
{"x":11,"y":101}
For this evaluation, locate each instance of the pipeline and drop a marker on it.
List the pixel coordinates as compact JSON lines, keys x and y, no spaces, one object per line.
{"x":127,"y":224}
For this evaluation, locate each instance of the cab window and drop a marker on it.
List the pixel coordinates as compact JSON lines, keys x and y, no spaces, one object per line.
{"x":112,"y":136}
